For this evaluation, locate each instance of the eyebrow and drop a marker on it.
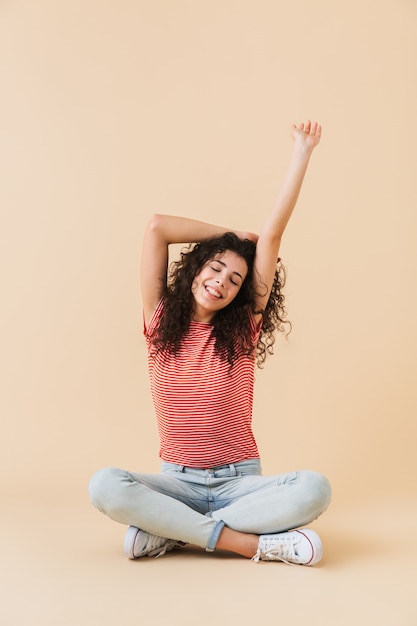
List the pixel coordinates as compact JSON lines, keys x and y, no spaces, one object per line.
{"x":224,"y":265}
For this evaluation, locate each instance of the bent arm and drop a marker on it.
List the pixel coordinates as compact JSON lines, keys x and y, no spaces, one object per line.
{"x":161,"y":231}
{"x":306,"y":138}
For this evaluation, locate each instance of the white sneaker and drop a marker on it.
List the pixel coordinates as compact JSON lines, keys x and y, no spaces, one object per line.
{"x":139,"y":543}
{"x":302,"y":547}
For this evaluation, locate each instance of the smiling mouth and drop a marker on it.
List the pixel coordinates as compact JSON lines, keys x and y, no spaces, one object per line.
{"x":213,"y":292}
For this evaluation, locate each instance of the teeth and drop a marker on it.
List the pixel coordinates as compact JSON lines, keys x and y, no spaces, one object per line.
{"x":212,"y":292}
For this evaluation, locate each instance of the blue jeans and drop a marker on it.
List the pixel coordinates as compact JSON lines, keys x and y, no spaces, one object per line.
{"x":193,"y":505}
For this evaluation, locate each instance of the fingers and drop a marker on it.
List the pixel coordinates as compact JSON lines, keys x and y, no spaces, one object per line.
{"x":308,"y":127}
{"x":315,"y":129}
{"x":299,"y":126}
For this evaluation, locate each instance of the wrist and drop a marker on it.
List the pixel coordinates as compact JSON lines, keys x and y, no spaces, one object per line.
{"x":302,"y":153}
{"x":303,"y":148}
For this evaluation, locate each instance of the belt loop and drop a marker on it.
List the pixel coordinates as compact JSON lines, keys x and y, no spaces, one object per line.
{"x":181,"y":468}
{"x":232,"y":469}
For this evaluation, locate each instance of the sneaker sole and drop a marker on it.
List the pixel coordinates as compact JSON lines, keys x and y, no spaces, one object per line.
{"x":129,"y":542}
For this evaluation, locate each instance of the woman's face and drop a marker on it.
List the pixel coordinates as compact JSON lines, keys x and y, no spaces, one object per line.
{"x":217,"y":284}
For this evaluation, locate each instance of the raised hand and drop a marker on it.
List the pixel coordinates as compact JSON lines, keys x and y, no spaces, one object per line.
{"x":307,"y":134}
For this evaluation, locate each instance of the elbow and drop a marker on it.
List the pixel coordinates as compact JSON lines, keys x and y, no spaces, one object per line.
{"x":155,"y":223}
{"x":158,"y":229}
{"x":153,"y":220}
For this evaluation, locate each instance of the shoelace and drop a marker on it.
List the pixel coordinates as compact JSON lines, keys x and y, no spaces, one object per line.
{"x":159,"y":549}
{"x":283,"y":551}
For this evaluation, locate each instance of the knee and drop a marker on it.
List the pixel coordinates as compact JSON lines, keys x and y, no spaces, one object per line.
{"x":318,"y":488}
{"x":101,"y":485}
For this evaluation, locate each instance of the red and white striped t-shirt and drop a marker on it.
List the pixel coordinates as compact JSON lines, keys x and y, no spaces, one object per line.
{"x":203,"y":408}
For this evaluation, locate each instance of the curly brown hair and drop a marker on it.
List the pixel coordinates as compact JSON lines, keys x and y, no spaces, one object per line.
{"x":231,"y":325}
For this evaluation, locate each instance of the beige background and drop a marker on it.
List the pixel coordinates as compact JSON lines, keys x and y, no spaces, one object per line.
{"x":113,"y":110}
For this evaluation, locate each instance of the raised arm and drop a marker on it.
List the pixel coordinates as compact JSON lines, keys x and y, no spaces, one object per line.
{"x":306,"y":137}
{"x":161,"y":231}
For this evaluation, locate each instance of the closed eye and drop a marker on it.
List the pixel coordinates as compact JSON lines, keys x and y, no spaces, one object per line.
{"x":215,"y":268}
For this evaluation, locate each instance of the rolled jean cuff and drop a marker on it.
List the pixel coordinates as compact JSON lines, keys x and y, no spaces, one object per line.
{"x":214,"y":537}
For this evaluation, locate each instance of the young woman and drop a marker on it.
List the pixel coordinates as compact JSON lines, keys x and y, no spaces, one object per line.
{"x":206,"y":325}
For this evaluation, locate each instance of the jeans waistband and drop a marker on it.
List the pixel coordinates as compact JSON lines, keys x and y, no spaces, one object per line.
{"x":249,"y":466}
